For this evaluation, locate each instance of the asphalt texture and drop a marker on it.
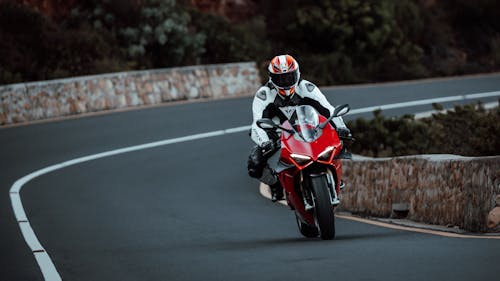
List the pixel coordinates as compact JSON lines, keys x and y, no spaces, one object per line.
{"x":188,"y":211}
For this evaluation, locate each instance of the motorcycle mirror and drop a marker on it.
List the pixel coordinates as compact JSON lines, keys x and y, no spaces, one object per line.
{"x":266,"y":123}
{"x":339,"y":111}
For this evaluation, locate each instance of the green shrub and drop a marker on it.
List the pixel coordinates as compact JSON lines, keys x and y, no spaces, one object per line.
{"x":382,"y":136}
{"x":35,"y":48}
{"x":468,"y":130}
{"x":349,"y":41}
{"x":155,"y":33}
{"x":229,"y":42}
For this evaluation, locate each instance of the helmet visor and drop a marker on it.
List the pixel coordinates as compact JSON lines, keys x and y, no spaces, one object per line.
{"x":285,"y":80}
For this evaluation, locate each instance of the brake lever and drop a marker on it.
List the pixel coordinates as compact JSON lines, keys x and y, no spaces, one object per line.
{"x":350,"y":139}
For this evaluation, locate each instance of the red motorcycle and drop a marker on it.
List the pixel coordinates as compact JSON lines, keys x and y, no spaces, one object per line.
{"x":309,"y":167}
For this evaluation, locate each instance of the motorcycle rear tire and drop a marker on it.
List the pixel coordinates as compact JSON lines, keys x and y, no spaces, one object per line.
{"x":306,"y":230}
{"x":323,"y":207}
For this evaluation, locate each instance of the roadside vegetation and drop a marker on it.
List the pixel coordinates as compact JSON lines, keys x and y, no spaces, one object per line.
{"x":336,"y":42}
{"x":468,"y":130}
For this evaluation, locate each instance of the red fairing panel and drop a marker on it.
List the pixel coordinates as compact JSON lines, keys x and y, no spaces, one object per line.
{"x":287,"y":179}
{"x":313,"y":149}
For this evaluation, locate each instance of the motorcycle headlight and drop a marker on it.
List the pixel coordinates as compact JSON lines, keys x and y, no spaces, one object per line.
{"x":326,"y":154}
{"x":300,"y":159}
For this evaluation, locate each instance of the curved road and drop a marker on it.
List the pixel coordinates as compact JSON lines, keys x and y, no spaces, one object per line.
{"x":188,"y":211}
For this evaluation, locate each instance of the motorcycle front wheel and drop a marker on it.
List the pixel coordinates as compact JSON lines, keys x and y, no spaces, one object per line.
{"x":324,"y":215}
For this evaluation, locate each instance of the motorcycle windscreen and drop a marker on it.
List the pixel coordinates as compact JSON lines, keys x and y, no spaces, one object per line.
{"x":307,"y":123}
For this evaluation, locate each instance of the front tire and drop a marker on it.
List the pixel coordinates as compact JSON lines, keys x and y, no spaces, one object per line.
{"x":325,"y":217}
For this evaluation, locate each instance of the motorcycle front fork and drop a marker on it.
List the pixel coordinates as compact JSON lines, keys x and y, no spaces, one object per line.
{"x":334,"y":198}
{"x":308,"y":196}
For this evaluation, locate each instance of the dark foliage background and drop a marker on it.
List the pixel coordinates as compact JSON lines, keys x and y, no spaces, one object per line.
{"x":336,"y":42}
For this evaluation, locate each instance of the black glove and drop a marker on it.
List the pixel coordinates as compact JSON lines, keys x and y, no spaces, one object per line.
{"x":268,"y":147}
{"x":344,"y":132}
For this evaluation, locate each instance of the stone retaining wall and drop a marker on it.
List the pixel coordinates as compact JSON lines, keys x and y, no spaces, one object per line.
{"x":438,"y":189}
{"x":48,"y":99}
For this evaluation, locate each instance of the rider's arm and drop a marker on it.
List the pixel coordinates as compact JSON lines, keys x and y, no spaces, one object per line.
{"x":315,"y":98}
{"x":261,"y":101}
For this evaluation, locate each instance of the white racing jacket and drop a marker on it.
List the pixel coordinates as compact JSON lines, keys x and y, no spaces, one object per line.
{"x":267,"y":103}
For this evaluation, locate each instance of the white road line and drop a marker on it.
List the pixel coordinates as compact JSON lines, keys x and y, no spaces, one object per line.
{"x":482,"y":95}
{"x":424,"y":102}
{"x":30,"y":237}
{"x":45,"y":263}
{"x":49,"y":271}
{"x":429,"y":113}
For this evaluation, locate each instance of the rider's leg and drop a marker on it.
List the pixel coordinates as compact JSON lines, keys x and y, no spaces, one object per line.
{"x":257,"y":168}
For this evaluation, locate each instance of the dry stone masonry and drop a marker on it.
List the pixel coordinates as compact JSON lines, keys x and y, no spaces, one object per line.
{"x":438,"y":189}
{"x":494,"y":215}
{"x":56,"y":98}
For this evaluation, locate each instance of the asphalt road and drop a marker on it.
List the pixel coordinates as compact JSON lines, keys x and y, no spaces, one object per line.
{"x":188,"y":211}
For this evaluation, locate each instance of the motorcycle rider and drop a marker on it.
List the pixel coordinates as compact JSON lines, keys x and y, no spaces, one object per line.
{"x":277,"y":100}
